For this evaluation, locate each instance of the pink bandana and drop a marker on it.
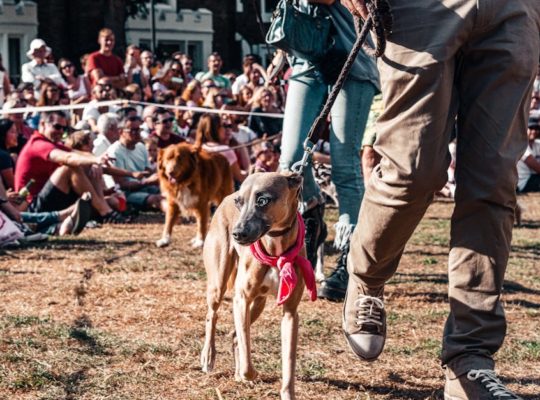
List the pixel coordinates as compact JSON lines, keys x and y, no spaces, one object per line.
{"x":285,"y":265}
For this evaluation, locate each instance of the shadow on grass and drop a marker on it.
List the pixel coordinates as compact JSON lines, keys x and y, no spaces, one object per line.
{"x":400,"y":277}
{"x":81,"y":332}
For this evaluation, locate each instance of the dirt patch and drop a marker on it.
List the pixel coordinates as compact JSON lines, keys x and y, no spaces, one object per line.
{"x":107,"y":315}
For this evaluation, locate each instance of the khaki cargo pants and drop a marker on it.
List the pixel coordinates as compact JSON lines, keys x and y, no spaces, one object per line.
{"x":474,"y":60}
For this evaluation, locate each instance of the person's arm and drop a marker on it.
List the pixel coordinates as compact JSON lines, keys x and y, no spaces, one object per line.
{"x":532,"y":163}
{"x":238,"y":174}
{"x":7,"y":85}
{"x":114,"y":171}
{"x":73,"y":158}
{"x":7,"y":176}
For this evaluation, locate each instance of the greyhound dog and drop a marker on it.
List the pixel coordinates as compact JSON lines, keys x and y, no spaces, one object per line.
{"x":252,"y":229}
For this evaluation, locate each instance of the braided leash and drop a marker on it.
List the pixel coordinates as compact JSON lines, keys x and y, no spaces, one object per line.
{"x":380,"y":20}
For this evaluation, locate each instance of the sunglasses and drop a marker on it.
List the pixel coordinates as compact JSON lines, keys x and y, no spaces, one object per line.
{"x":52,"y":90}
{"x":209,"y":86}
{"x":60,"y":127}
{"x":105,"y":88}
{"x":66,"y":66}
{"x":165,"y":121}
{"x":227,"y":126}
{"x":134,"y":118}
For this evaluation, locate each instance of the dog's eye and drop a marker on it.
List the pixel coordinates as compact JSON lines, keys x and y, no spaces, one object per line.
{"x":262,"y":201}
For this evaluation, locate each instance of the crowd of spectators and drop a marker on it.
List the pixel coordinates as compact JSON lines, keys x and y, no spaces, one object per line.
{"x":55,"y":165}
{"x":92,"y":160}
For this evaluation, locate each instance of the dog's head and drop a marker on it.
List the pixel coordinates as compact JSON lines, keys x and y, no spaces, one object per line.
{"x":176,"y":163}
{"x":267,"y":202}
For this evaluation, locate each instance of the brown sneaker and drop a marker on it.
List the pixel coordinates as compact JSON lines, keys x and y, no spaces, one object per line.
{"x":477,"y":384}
{"x":364,"y":322}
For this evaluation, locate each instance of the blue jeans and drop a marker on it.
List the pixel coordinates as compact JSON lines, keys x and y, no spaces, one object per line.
{"x":45,"y":221}
{"x":305,"y":98}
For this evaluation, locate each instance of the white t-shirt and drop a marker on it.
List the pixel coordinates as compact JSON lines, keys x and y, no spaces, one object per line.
{"x":101,"y":144}
{"x":244,"y":134}
{"x":524,"y":172}
{"x":131,"y":160}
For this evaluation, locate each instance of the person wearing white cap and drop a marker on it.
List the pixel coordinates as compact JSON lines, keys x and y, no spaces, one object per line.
{"x":38,"y":69}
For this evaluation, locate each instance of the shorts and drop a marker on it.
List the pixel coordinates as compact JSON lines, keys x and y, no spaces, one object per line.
{"x":50,"y":198}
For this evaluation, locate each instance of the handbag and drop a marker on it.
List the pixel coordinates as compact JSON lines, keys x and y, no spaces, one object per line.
{"x":303,"y":35}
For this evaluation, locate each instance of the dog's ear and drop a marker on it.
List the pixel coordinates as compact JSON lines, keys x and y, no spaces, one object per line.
{"x":160,"y":154}
{"x":295,"y":180}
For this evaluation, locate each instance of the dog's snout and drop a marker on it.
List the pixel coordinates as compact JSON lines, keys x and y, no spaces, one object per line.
{"x":240,"y":235}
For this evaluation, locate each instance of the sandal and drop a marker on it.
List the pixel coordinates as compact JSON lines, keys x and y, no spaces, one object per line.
{"x":83,"y":213}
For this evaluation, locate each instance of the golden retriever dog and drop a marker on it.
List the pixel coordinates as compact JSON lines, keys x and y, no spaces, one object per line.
{"x":191,"y":180}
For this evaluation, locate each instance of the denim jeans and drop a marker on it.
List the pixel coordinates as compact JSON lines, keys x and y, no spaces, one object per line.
{"x":305,"y":98}
{"x":45,"y":221}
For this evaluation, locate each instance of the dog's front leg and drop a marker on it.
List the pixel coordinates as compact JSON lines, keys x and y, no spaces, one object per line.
{"x":244,"y":366}
{"x":173,"y":211}
{"x":289,"y":342}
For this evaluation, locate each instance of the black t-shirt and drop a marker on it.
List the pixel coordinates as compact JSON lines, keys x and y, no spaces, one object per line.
{"x":5,"y":160}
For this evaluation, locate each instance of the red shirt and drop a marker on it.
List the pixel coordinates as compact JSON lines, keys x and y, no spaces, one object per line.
{"x":173,"y":139}
{"x":110,"y":65}
{"x":33,"y":162}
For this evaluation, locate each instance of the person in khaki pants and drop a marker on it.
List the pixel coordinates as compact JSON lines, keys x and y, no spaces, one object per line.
{"x":474,"y":60}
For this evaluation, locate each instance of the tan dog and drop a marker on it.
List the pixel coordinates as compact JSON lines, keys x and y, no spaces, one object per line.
{"x":264,"y":208}
{"x":191,"y":180}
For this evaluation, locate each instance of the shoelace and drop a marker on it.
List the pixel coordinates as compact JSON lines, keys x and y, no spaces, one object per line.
{"x":491,"y":382}
{"x":369,"y":310}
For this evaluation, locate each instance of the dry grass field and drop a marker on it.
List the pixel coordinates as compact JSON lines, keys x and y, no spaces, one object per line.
{"x":107,"y":315}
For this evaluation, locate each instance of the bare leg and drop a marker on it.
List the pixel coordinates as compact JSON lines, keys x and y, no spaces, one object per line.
{"x":67,"y":178}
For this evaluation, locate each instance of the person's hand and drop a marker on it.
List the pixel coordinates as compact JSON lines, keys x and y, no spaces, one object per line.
{"x":140,"y":174}
{"x":13,"y":197}
{"x":356,"y":8}
{"x":105,"y":160}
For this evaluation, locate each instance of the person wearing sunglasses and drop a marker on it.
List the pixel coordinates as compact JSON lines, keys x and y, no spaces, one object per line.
{"x":102,"y":91}
{"x":78,"y":86}
{"x":58,"y":172}
{"x":164,"y":133}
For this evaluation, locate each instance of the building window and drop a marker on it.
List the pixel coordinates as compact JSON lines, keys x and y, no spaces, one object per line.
{"x":194,"y":50}
{"x":14,"y":54}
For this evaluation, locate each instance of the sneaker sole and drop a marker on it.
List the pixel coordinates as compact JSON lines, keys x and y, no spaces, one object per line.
{"x":448,"y":397}
{"x":362,"y":357}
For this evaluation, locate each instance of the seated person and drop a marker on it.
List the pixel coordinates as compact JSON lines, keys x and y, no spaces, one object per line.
{"x":163,"y":123}
{"x":71,"y":220}
{"x":528,"y":166}
{"x":129,"y":153}
{"x":263,"y":102}
{"x":58,"y":172}
{"x":265,"y":158}
{"x":100,"y":92}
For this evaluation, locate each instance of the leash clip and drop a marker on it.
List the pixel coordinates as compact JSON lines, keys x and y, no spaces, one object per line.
{"x":298,"y":167}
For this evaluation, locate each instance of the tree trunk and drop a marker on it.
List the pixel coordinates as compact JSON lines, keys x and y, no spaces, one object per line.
{"x":71,"y":28}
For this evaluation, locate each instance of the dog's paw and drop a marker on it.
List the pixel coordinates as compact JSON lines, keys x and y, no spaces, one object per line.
{"x":197,"y":243}
{"x":246,"y":376}
{"x":163,"y":242}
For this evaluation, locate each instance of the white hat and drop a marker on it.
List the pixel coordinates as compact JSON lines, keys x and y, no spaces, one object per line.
{"x":36,"y":44}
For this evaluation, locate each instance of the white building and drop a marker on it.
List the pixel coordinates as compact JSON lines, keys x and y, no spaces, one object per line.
{"x":189,"y":31}
{"x":18,"y":26}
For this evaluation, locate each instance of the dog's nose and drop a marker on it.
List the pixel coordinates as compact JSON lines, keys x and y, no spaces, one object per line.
{"x":239,"y":235}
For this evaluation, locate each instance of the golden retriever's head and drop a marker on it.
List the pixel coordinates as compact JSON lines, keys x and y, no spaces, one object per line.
{"x":176,"y":163}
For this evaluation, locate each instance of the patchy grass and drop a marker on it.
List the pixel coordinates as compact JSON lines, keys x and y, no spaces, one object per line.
{"x":107,"y":315}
